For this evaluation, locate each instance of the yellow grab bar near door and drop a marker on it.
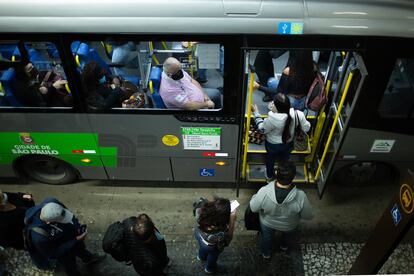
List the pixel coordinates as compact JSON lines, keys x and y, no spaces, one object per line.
{"x":247,"y":125}
{"x":331,"y":133}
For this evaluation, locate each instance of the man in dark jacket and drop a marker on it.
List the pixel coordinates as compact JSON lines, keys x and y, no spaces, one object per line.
{"x":145,"y":246}
{"x":57,"y":235}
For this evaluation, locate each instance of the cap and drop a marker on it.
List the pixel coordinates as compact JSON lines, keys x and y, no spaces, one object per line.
{"x":53,"y":212}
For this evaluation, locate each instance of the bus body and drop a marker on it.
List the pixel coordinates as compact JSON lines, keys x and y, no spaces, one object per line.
{"x":366,"y":127}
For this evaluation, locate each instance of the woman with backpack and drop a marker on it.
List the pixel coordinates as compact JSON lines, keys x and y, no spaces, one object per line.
{"x":214,"y":231}
{"x":279,"y":128}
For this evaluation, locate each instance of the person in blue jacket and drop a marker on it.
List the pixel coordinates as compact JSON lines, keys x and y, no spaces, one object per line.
{"x":56,"y":234}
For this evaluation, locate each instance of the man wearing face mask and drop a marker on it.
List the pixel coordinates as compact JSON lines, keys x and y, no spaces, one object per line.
{"x":179,"y":90}
{"x":56,"y":234}
{"x":13,"y":207}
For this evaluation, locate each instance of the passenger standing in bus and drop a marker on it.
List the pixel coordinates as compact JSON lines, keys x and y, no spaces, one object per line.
{"x":279,"y":128}
{"x":179,"y":90}
{"x":214,"y":231}
{"x":280,"y":206}
{"x":102,"y":90}
{"x":297,"y":77}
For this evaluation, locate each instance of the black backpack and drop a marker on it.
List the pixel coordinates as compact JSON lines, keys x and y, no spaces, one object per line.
{"x":112,"y":242}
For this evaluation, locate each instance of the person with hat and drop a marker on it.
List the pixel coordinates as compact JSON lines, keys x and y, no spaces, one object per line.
{"x":56,"y":234}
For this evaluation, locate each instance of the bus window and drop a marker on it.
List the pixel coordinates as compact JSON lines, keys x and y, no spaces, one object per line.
{"x":151,"y":74}
{"x":9,"y":51}
{"x":35,"y":78}
{"x":398,"y":98}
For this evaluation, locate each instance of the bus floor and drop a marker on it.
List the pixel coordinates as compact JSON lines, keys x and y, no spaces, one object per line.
{"x":326,"y":245}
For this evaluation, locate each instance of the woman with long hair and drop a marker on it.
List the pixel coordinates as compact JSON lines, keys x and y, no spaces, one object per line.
{"x":279,"y":128}
{"x":214,"y":231}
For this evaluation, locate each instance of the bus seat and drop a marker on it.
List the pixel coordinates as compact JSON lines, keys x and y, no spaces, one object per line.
{"x":7,"y":79}
{"x":7,"y":51}
{"x":82,"y":55}
{"x":132,"y":79}
{"x":154,"y":85}
{"x":93,"y":55}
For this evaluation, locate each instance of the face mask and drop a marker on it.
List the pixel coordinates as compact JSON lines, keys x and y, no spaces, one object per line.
{"x":4,"y":200}
{"x":102,"y":80}
{"x":178,"y":76}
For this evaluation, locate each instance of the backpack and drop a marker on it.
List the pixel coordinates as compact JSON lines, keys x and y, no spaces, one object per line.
{"x":316,"y":97}
{"x":112,"y":242}
{"x":27,"y":237}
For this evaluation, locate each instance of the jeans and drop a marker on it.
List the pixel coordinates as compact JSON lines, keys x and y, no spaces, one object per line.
{"x":125,"y":55}
{"x":298,"y":104}
{"x":266,"y":239}
{"x":215,"y":95}
{"x":68,"y":261}
{"x":207,"y":253}
{"x":275,"y":152}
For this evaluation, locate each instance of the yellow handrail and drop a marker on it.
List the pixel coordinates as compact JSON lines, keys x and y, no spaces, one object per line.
{"x":164,"y":45}
{"x":247,"y":125}
{"x":151,"y":87}
{"x":190,"y":59}
{"x":152,"y":53}
{"x":77,"y":61}
{"x":67,"y":88}
{"x":331,"y":133}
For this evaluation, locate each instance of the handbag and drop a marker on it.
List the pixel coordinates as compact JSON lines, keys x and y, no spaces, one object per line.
{"x":251,"y":219}
{"x":255,"y":136}
{"x":300,"y":139}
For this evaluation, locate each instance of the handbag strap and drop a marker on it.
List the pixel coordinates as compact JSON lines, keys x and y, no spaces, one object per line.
{"x":297,"y":122}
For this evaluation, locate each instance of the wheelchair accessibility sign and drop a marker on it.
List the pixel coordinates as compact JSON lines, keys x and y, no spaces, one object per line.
{"x":395,"y":214}
{"x":206,"y":172}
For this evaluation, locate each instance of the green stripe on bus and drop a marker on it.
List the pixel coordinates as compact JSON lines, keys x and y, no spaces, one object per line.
{"x":70,"y":147}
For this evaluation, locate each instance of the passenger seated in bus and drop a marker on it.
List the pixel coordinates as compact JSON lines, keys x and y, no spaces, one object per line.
{"x":279,"y":128}
{"x":263,"y":64}
{"x":145,"y":246}
{"x":13,"y":207}
{"x":179,"y":90}
{"x":102,"y":90}
{"x":39,"y":88}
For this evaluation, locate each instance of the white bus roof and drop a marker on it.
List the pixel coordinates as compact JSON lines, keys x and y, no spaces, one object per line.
{"x":336,"y":17}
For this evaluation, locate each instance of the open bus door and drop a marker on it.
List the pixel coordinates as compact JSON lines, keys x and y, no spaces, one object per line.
{"x":333,"y":121}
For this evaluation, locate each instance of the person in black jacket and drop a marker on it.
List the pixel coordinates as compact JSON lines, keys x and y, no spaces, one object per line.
{"x":13,"y":207}
{"x":56,"y":234}
{"x":145,"y":246}
{"x":102,"y":90}
{"x":30,"y":89}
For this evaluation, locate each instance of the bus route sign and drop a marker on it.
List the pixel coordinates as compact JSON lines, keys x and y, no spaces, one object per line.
{"x":201,"y":138}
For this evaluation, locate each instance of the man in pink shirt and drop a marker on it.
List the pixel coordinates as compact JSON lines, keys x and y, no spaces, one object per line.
{"x":179,"y":90}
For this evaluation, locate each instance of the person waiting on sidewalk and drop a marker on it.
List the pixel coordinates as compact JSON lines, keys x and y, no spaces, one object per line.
{"x":56,"y":234}
{"x":145,"y":246}
{"x":280,"y":206}
{"x":214,"y":231}
{"x":13,"y":207}
{"x":279,"y":128}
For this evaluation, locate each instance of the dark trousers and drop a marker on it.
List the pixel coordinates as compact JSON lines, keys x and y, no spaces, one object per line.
{"x":280,"y":152}
{"x":68,"y":261}
{"x":208,"y":253}
{"x":263,"y":65}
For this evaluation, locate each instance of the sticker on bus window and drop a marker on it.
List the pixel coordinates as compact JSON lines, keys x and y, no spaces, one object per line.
{"x":201,"y":138}
{"x":290,"y":28}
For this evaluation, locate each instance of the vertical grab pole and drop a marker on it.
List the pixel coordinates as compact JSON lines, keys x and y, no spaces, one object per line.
{"x":331,"y":133}
{"x":247,"y":125}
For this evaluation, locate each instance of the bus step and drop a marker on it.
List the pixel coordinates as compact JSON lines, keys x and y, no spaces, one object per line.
{"x":260,"y":149}
{"x":256,"y":173}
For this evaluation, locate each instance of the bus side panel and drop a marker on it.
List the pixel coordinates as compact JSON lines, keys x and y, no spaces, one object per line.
{"x":66,"y":136}
{"x":197,"y":169}
{"x":364,"y":145}
{"x":151,"y":147}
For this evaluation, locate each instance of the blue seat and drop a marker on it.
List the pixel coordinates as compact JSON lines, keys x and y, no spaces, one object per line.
{"x":9,"y":50}
{"x":7,"y":80}
{"x":154,"y":85}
